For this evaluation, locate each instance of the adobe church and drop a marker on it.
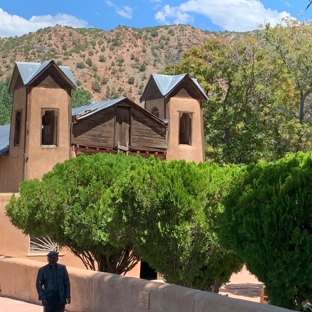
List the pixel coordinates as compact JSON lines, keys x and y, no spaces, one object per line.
{"x":45,"y":130}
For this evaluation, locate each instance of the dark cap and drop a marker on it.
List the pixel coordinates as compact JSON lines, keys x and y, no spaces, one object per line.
{"x":52,"y":253}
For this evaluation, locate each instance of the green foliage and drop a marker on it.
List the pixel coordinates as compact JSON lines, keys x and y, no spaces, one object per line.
{"x":89,"y":61}
{"x":66,"y":206}
{"x":267,"y":221}
{"x":258,"y":86}
{"x":80,"y":97}
{"x":120,"y":61}
{"x":131,"y":80}
{"x":110,"y":209}
{"x":80,"y":65}
{"x":142,"y":67}
{"x":102,"y":58}
{"x":104,"y":81}
{"x":169,"y":208}
{"x":6,"y":101}
{"x":96,"y":86}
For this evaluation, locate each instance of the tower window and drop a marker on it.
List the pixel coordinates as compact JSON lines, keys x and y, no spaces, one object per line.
{"x":155,"y":111}
{"x":185,"y":128}
{"x":49,"y":127}
{"x":17,"y":128}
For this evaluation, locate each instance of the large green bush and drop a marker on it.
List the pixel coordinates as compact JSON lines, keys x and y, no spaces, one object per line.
{"x":169,"y":210}
{"x":268,"y":222}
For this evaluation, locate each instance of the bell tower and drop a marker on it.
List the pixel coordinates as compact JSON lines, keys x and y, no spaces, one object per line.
{"x":178,"y":101}
{"x":40,"y":124}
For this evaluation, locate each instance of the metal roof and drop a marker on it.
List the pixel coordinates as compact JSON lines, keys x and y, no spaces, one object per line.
{"x":29,"y":70}
{"x":4,"y":138}
{"x":89,"y":109}
{"x":167,"y":83}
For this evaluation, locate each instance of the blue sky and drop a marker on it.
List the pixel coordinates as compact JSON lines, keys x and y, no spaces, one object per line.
{"x":20,"y":17}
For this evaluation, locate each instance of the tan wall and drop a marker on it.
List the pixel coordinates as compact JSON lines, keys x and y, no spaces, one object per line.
{"x":41,"y":159}
{"x":194,"y":152}
{"x":11,"y":173}
{"x":13,"y":243}
{"x":97,"y":292}
{"x":12,"y":165}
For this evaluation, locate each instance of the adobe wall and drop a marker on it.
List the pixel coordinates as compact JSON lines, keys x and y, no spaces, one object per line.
{"x":97,"y":292}
{"x":11,"y":172}
{"x":13,"y":243}
{"x":182,"y":102}
{"x":42,"y":159}
{"x":12,"y":164}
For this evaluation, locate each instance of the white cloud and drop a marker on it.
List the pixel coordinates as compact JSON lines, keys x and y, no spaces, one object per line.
{"x":110,"y":3}
{"x":125,"y":11}
{"x":235,"y":15}
{"x":172,"y":15}
{"x":287,"y":3}
{"x":14,"y":25}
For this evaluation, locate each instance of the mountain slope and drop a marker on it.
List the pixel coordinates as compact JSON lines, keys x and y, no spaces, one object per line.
{"x":109,"y":64}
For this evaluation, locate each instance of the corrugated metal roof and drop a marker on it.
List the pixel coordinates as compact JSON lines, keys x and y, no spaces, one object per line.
{"x":167,"y":83}
{"x":89,"y":109}
{"x":4,"y":138}
{"x":29,"y":70}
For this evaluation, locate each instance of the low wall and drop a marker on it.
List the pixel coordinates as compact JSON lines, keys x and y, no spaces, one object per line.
{"x":97,"y":292}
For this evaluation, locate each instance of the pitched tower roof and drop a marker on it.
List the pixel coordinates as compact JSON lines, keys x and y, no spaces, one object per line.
{"x":166,"y":84}
{"x":29,"y":71}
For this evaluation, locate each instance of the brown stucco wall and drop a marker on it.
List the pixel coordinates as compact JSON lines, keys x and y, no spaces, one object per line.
{"x":194,"y":152}
{"x":13,"y":243}
{"x":97,"y":292}
{"x":11,"y":173}
{"x":42,"y":159}
{"x":12,"y":164}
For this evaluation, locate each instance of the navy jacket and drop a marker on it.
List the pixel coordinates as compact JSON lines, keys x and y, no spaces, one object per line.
{"x":44,"y":284}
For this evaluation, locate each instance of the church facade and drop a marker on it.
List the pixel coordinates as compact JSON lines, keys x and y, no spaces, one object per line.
{"x":45,"y":130}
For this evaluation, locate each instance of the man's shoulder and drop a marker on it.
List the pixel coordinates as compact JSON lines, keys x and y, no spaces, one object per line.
{"x":44,"y":267}
{"x":61,"y":266}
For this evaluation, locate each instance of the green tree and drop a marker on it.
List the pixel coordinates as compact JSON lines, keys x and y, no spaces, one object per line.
{"x":255,"y":86}
{"x":80,"y":97}
{"x":267,"y":221}
{"x":169,"y":208}
{"x":290,"y":48}
{"x":235,"y":76}
{"x":6,"y":101}
{"x":66,"y":206}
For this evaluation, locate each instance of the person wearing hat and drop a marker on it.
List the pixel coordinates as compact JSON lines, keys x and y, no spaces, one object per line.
{"x":53,"y":285}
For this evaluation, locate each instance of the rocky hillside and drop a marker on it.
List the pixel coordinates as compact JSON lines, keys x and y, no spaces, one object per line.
{"x":109,"y":64}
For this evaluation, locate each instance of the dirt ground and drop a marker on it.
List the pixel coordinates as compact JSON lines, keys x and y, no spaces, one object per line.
{"x":243,"y":285}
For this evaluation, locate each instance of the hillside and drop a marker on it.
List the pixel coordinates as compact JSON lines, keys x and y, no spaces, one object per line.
{"x":109,"y":64}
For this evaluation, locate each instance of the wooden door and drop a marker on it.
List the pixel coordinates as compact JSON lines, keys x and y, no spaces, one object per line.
{"x":122,"y":129}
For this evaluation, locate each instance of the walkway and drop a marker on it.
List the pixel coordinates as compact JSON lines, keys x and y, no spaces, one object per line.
{"x":10,"y":305}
